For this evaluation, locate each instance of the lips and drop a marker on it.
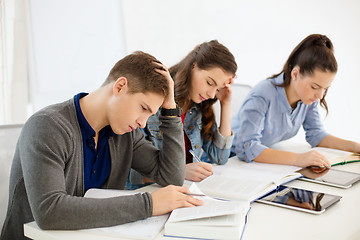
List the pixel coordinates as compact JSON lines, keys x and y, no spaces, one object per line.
{"x":201,"y":98}
{"x":131,"y":128}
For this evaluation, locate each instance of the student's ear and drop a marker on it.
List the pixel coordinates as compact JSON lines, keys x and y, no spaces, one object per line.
{"x":193,"y":65}
{"x":120,"y":85}
{"x":295,"y":72}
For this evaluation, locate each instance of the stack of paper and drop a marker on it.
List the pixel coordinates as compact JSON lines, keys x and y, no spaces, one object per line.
{"x":216,"y":219}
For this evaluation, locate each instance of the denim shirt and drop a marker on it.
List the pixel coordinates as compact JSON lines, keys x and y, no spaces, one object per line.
{"x":266,"y":118}
{"x":216,"y":150}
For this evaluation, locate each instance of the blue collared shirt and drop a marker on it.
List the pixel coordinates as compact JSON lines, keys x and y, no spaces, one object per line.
{"x":97,"y":162}
{"x":266,"y":118}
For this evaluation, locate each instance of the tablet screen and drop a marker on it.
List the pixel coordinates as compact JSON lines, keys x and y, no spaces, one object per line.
{"x":330,"y":176}
{"x":300,"y":199}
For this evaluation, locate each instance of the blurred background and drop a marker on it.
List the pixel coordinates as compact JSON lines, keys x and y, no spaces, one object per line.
{"x":51,"y":50}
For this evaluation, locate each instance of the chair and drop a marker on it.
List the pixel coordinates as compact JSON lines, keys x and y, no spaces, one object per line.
{"x":239,"y":93}
{"x":9,"y":135}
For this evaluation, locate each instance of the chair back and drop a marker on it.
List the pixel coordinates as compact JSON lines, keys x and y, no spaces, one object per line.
{"x":9,"y":135}
{"x":239,"y":93}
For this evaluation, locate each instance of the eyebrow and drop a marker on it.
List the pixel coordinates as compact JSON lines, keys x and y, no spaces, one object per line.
{"x":319,"y":85}
{"x":213,"y":80}
{"x":148,"y":108}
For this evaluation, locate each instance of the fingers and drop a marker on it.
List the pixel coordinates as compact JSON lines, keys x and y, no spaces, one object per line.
{"x":321,"y":160}
{"x":206,"y":167}
{"x":161,"y":67}
{"x":317,"y":159}
{"x":162,"y":70}
{"x":198,"y":171}
{"x":171,"y":197}
{"x":190,"y":201}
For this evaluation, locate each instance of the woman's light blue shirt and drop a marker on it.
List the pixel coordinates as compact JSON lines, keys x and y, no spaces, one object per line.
{"x":266,"y":118}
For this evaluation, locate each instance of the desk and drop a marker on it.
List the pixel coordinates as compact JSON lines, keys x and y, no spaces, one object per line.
{"x":341,"y":221}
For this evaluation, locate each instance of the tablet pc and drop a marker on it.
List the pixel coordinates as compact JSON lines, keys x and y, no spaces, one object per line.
{"x":331,"y":177}
{"x":300,"y":199}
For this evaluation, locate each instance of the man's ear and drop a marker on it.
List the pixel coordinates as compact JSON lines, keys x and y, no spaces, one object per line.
{"x":120,"y":85}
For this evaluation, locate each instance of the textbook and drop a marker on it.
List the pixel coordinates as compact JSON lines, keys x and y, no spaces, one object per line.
{"x":216,"y":219}
{"x":145,"y":229}
{"x":246,"y":181}
{"x":338,"y":157}
{"x":335,"y":156}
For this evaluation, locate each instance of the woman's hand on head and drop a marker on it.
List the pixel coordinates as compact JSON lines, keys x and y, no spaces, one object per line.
{"x":224,"y":94}
{"x":172,"y":197}
{"x":198,"y":171}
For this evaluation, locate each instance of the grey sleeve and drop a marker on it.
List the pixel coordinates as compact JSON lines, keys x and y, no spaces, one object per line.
{"x":52,"y":169}
{"x":166,"y":166}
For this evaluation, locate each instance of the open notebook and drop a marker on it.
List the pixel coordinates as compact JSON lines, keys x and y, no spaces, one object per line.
{"x":216,"y":219}
{"x":248,"y":181}
{"x":338,"y":157}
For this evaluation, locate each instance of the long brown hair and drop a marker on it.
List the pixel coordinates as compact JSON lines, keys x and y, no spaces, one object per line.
{"x":206,"y":55}
{"x":316,"y":51}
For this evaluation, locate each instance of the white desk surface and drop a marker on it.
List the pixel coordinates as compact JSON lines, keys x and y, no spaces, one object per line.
{"x":340,"y":221}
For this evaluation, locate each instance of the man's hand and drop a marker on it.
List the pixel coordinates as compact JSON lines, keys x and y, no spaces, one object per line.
{"x":172,"y":197}
{"x":169,"y":102}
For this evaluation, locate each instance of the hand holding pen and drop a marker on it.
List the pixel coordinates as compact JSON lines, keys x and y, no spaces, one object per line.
{"x":196,"y":158}
{"x":198,"y":170}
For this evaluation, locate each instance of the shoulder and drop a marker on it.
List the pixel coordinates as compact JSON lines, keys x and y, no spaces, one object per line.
{"x":266,"y":89}
{"x":57,"y":118}
{"x":262,"y":93}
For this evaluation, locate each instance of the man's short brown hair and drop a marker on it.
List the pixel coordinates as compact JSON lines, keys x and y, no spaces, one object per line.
{"x":139,"y":70}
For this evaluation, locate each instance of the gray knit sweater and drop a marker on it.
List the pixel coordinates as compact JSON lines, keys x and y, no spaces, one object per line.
{"x":47,"y":184}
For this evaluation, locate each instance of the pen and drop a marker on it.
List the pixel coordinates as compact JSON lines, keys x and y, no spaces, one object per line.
{"x":343,"y":163}
{"x":195,"y":157}
{"x":195,"y":194}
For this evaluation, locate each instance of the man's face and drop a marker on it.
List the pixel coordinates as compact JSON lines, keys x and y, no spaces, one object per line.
{"x":127,"y":111}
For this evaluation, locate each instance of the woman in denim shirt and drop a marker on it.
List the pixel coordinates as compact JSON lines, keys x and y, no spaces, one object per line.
{"x":201,"y":78}
{"x":277,"y":107}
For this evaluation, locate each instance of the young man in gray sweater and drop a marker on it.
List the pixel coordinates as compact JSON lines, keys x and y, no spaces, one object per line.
{"x":92,"y":140}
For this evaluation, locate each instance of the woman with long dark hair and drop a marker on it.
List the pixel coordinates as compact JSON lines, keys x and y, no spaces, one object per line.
{"x":201,"y":78}
{"x":277,"y":107}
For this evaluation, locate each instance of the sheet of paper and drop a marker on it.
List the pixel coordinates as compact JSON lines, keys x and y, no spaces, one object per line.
{"x":225,"y":220}
{"x":212,"y":207}
{"x":143,"y":229}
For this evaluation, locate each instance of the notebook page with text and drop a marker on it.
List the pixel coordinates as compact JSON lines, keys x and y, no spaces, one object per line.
{"x":247,"y":181}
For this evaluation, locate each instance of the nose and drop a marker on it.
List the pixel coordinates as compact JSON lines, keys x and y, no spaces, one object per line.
{"x":211,"y":93}
{"x":141,"y":122}
{"x":321,"y":93}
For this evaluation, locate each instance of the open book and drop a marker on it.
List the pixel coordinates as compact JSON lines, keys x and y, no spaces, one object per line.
{"x":216,"y":219}
{"x":143,"y":229}
{"x":338,"y":157}
{"x":247,"y":181}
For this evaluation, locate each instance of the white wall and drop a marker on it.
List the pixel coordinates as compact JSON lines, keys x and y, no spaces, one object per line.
{"x":77,"y":42}
{"x":74,"y":45}
{"x":261,"y":34}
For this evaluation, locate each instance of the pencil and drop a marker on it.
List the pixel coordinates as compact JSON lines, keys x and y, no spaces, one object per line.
{"x":195,"y":194}
{"x":196,"y":158}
